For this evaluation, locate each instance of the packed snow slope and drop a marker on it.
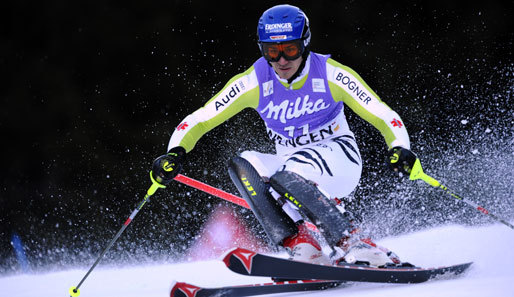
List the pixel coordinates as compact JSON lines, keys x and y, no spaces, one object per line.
{"x":489,"y":247}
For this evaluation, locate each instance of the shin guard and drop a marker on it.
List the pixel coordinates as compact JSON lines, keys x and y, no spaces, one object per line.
{"x":332,"y":224}
{"x":275,"y":222}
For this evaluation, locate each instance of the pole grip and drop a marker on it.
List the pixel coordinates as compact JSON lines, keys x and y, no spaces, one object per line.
{"x":417,"y":173}
{"x":154,"y":187}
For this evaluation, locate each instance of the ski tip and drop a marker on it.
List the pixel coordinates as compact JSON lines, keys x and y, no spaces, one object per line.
{"x":234,"y":251}
{"x":227,"y":254}
{"x":172,"y":288}
{"x":172,"y":285}
{"x":181,"y":289}
{"x":240,"y":260}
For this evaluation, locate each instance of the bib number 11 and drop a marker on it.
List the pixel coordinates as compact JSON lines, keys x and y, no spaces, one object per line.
{"x":290,"y":130}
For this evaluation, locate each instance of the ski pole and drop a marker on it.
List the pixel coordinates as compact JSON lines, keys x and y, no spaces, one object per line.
{"x":212,"y":190}
{"x":417,"y":173}
{"x":74,"y":291}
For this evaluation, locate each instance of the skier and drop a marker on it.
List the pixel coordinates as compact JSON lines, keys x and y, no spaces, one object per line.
{"x":300,"y":95}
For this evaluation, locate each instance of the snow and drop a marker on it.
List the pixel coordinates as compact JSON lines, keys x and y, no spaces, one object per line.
{"x":489,"y":247}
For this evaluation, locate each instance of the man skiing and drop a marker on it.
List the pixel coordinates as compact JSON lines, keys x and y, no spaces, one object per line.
{"x":300,"y":95}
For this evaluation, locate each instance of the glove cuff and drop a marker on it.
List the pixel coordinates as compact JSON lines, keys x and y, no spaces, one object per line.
{"x":177,"y":151}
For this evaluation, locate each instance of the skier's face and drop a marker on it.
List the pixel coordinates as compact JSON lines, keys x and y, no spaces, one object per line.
{"x":284,"y":68}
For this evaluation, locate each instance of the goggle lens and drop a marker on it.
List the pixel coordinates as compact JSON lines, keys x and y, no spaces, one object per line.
{"x":290,"y":50}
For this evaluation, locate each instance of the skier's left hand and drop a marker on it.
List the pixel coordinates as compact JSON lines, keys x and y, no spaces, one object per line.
{"x":166,"y":167}
{"x":401,"y":160}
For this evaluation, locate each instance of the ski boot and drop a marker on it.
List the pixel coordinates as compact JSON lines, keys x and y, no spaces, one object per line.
{"x":363,"y":251}
{"x":305,"y":248}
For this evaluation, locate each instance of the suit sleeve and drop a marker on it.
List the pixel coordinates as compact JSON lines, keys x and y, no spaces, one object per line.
{"x":240,"y":92}
{"x":347,"y":86}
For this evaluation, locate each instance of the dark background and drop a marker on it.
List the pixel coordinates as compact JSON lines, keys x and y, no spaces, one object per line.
{"x":92,"y":90}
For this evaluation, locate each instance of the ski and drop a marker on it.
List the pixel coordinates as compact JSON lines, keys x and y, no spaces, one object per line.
{"x":247,"y":262}
{"x":181,"y":289}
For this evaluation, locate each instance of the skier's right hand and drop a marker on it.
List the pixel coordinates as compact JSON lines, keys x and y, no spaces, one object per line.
{"x":166,"y":167}
{"x":401,"y":160}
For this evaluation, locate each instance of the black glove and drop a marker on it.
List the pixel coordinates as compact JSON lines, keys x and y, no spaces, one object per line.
{"x":401,"y":160}
{"x":166,"y":167}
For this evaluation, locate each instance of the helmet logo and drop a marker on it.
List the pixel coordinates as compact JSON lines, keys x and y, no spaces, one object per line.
{"x":279,"y":28}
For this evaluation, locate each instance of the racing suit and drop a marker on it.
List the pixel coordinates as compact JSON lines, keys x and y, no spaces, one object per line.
{"x":305,"y":120}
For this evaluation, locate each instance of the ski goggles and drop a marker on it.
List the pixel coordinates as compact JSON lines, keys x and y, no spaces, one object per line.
{"x":290,"y":50}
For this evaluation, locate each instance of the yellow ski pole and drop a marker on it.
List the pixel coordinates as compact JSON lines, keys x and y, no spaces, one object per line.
{"x":417,"y":173}
{"x":74,"y":291}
